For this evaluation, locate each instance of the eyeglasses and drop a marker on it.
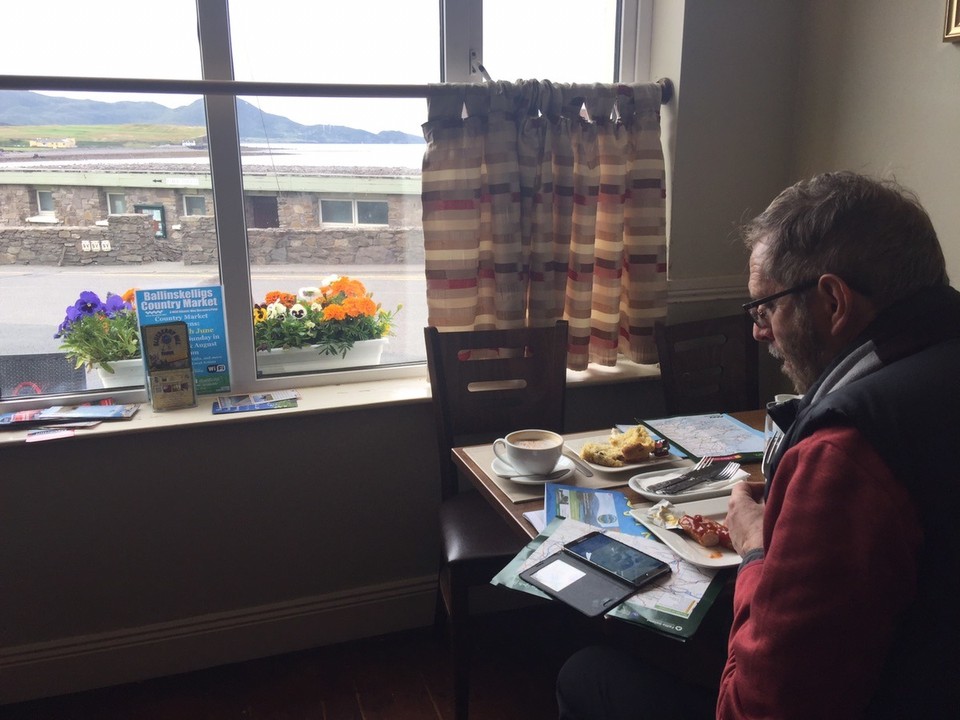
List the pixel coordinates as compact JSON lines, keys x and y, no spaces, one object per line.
{"x":758,"y":313}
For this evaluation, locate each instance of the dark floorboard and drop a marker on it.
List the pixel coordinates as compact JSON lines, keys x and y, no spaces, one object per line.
{"x":404,"y":676}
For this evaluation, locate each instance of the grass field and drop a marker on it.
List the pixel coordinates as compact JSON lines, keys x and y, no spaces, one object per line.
{"x":14,"y":137}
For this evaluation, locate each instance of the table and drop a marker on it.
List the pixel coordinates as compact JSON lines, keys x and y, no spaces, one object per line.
{"x":474,"y":462}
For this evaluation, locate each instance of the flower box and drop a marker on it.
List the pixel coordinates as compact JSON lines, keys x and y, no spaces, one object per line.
{"x":308,"y":359}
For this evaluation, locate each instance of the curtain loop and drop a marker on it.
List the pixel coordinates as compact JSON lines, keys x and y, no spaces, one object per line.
{"x":599,"y":100}
{"x":445,"y":101}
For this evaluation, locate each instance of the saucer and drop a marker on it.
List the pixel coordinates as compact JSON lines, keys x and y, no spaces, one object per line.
{"x":504,"y":470}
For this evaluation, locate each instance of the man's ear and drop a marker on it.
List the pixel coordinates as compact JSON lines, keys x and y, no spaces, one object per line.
{"x":840,"y":305}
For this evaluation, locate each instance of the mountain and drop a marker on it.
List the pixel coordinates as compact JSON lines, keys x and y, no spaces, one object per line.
{"x":22,"y":107}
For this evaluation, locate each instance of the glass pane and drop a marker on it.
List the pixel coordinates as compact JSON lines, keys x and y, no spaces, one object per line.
{"x":366,"y":41}
{"x":45,"y":201}
{"x":336,"y":211}
{"x":102,"y":38}
{"x":195,"y":205}
{"x":317,"y":180}
{"x":117,"y":204}
{"x":128,"y":153}
{"x":372,"y":213}
{"x":572,"y":41}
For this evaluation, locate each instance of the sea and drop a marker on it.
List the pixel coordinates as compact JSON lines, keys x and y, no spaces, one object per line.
{"x":304,"y":155}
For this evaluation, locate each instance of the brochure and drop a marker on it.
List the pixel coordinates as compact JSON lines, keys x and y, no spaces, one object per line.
{"x":59,"y":414}
{"x":605,"y":509}
{"x":201,"y":308}
{"x":259,"y":401}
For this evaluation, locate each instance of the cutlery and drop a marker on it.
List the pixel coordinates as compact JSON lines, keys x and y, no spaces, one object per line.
{"x":702,"y":473}
{"x":581,"y":465}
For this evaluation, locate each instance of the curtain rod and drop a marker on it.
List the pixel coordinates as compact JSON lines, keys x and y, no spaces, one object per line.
{"x":232,"y":87}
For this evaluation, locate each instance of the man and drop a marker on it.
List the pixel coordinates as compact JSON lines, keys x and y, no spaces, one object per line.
{"x":843,"y":600}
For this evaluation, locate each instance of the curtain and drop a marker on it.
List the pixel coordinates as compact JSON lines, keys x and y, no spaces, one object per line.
{"x":546,"y":201}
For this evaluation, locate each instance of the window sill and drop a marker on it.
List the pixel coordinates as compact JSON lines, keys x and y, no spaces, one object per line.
{"x":324,"y":399}
{"x":43,"y":219}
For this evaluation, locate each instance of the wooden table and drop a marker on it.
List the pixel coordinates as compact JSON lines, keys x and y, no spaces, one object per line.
{"x":474,"y":462}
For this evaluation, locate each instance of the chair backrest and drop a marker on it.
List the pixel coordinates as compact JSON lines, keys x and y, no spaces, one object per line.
{"x":486,"y":383}
{"x":709,"y":365}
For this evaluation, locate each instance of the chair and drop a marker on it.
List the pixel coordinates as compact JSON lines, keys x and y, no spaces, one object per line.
{"x":484,"y":383}
{"x":709,"y":365}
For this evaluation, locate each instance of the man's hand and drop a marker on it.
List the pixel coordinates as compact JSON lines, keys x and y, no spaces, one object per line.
{"x":745,"y":516}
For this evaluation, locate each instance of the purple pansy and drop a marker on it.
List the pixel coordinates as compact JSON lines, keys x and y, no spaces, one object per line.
{"x":115,"y":304}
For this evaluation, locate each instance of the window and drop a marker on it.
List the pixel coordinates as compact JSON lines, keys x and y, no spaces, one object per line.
{"x":44,"y":202}
{"x":372,"y":213}
{"x":116,"y":204}
{"x":265,"y":213}
{"x":336,"y":211}
{"x":293,"y":164}
{"x":354,"y":212}
{"x":194,"y":205}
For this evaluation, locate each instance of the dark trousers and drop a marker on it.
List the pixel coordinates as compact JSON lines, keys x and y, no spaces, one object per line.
{"x":604,"y":683}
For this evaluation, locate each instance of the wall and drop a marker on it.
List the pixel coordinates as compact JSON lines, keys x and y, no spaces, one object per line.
{"x":879,"y":94}
{"x":137,"y":555}
{"x":192,"y":241}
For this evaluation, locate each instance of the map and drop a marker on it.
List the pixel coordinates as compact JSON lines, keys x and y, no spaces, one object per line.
{"x":674,"y":606}
{"x":715,"y":435}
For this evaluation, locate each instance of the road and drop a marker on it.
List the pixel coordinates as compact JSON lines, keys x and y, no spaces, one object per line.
{"x":34,"y":298}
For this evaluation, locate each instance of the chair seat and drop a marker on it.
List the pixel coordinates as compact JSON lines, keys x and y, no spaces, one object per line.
{"x":471,"y":530}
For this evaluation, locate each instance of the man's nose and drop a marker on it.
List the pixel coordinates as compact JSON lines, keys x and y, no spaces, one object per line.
{"x":762,"y":334}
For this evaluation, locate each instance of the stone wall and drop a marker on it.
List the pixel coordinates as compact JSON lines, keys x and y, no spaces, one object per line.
{"x":130,"y":240}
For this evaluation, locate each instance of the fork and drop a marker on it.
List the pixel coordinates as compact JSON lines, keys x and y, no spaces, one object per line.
{"x":708,"y":473}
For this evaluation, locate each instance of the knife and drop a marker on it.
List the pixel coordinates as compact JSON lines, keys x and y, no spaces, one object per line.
{"x":578,"y":461}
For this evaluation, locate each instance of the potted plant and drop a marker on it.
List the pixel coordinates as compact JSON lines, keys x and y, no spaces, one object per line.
{"x":335,"y":324}
{"x":103,"y":335}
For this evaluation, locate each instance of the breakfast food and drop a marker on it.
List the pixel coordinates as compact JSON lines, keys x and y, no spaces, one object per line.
{"x":705,"y":531}
{"x":632,"y":446}
{"x":601,"y":454}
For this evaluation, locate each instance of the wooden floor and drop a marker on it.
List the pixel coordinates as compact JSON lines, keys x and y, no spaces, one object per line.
{"x":396,"y":677}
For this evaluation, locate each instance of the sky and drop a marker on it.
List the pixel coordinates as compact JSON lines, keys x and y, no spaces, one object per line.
{"x":313,"y":41}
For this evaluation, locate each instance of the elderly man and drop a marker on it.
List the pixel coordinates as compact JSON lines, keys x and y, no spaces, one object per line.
{"x":843,"y":600}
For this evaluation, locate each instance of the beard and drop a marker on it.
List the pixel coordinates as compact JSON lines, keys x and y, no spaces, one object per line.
{"x":799,"y":352}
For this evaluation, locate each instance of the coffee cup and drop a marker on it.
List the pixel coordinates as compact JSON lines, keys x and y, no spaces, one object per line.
{"x":530,"y":452}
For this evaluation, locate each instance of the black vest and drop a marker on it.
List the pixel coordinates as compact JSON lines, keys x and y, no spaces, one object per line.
{"x":909,"y":411}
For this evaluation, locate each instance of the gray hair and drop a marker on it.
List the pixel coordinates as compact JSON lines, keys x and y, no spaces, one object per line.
{"x":872,"y":233}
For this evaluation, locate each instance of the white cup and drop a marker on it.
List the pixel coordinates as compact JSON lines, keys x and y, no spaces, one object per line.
{"x":530,"y":452}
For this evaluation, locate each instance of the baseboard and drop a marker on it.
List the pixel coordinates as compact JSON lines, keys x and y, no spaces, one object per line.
{"x":90,"y":661}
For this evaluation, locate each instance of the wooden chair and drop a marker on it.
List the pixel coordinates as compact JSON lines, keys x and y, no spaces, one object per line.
{"x":709,"y":365}
{"x":485,"y":383}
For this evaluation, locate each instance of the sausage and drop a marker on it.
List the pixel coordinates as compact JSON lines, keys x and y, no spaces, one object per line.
{"x":705,"y":531}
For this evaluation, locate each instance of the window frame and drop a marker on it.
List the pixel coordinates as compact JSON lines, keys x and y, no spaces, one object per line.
{"x":41,"y":212}
{"x":123,"y":202}
{"x":186,"y":205}
{"x":460,"y":53}
{"x":354,"y":213}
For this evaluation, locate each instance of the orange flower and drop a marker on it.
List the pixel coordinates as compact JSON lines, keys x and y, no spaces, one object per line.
{"x":334,"y":312}
{"x":350,"y":288}
{"x":288,"y":299}
{"x":130,"y":295}
{"x":359,"y":306}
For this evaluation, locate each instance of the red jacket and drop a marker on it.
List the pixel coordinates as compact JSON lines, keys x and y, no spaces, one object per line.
{"x":813,"y":619}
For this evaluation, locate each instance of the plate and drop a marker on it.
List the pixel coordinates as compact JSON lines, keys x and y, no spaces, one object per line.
{"x":687,"y":548}
{"x":504,"y":470}
{"x":640,"y":483}
{"x":574,"y":446}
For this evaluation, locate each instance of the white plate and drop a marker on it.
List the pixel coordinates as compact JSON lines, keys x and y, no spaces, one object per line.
{"x":640,"y":483}
{"x":504,"y":470}
{"x":686,"y":547}
{"x":574,"y":446}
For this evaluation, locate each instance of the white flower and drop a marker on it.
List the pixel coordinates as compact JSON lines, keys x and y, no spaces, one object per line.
{"x":308,"y":294}
{"x":329,"y":280}
{"x":298,"y":311}
{"x":276,"y":310}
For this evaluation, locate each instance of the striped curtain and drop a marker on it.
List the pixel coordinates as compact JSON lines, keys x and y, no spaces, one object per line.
{"x":546,"y":201}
